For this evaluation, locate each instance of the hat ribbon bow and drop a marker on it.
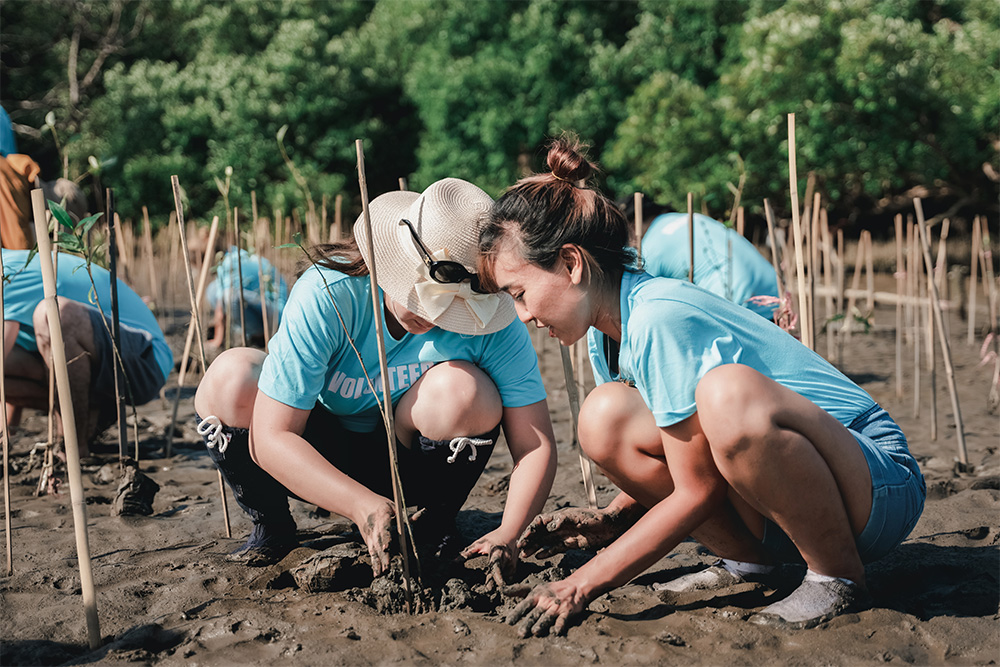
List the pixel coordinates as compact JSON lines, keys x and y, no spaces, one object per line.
{"x":437,"y":297}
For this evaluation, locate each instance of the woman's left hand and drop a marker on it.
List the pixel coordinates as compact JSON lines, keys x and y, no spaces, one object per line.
{"x":503,"y":561}
{"x":548,"y":607}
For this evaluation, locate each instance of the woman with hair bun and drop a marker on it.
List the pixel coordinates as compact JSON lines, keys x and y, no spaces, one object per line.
{"x":714,"y":423}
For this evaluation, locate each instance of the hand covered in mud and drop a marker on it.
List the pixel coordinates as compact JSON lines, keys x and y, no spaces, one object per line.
{"x":570,"y":528}
{"x":503,"y":559}
{"x":377,"y":530}
{"x":547,"y":607}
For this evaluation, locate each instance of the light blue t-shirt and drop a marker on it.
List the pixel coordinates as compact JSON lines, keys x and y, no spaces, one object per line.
{"x":310,"y":358}
{"x":666,"y":253}
{"x":23,"y":291}
{"x":226,"y":286}
{"x":673,"y":333}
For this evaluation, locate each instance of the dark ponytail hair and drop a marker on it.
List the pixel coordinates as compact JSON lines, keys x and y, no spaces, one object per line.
{"x":343,"y":256}
{"x":544,"y":212}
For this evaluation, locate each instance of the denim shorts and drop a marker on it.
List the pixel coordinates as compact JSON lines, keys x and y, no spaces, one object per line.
{"x":898,"y":490}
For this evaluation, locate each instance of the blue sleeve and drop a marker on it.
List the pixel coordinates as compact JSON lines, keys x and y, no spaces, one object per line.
{"x":599,"y":364}
{"x":510,"y":360}
{"x":300,"y":352}
{"x":673,"y":345}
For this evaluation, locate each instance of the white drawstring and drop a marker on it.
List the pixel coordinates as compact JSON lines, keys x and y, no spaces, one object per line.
{"x":211,"y":429}
{"x":458,"y":444}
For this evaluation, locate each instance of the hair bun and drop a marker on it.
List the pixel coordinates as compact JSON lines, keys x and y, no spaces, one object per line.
{"x":568,"y":161}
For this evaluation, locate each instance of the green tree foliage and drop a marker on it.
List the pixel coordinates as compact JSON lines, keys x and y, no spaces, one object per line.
{"x":673,"y":95}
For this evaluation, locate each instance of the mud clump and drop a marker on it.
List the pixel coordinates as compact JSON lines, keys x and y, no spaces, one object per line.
{"x":339,"y":568}
{"x":135,"y":492}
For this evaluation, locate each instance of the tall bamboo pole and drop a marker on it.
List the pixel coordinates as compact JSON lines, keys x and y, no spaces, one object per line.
{"x":813,"y":258}
{"x":179,"y":207}
{"x":690,"y":203}
{"x":918,"y":293}
{"x":775,"y":262}
{"x":202,"y":278}
{"x":5,"y":434}
{"x":113,"y":248}
{"x":239,"y":270}
{"x":397,"y":486}
{"x":828,"y":269}
{"x":586,"y":466}
{"x":977,"y":243}
{"x":77,"y":499}
{"x":806,"y":326}
{"x":963,"y":456}
{"x":637,"y":205}
{"x":941,"y":268}
{"x":900,"y":274}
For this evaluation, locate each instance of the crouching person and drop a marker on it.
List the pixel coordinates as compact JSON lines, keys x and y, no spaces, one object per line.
{"x":303,"y":420}
{"x":145,"y":355}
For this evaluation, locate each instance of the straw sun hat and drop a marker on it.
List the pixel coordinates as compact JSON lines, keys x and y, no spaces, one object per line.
{"x":447,"y":217}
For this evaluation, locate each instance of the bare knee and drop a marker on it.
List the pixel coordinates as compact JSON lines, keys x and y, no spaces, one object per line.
{"x":611,"y":415}
{"x":451,"y":399}
{"x":74,"y":321}
{"x":229,"y":388}
{"x":735,"y":408}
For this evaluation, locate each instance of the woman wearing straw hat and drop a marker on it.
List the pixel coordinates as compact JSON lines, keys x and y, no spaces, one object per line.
{"x":302,"y":420}
{"x":714,"y":423}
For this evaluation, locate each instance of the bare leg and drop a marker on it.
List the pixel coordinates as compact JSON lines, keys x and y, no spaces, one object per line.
{"x":81,"y":361}
{"x":792,"y":462}
{"x":472,"y":407}
{"x":229,"y":388}
{"x":619,"y":433}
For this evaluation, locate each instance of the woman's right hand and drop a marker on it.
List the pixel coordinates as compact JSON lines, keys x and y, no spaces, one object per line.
{"x":376,"y":529}
{"x":571,"y":528}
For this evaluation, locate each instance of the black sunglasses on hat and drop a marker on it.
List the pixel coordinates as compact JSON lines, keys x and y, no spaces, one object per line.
{"x":443,"y":271}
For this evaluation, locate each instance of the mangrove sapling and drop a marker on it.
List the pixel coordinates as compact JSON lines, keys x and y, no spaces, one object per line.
{"x":807,"y":337}
{"x":136,"y":490}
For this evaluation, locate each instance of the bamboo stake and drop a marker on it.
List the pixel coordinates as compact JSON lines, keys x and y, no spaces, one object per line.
{"x":931,"y":360}
{"x":637,"y":205}
{"x":900,"y":274}
{"x":402,"y":184}
{"x":740,"y":222}
{"x":402,"y":522}
{"x":175,"y":183}
{"x":941,"y":268}
{"x":147,"y":247}
{"x":5,"y":434}
{"x":337,"y":230}
{"x":918,"y":293}
{"x":48,"y":465}
{"x":113,"y":251}
{"x":775,"y":262}
{"x":869,"y":272}
{"x":855,"y":282}
{"x":841,"y":270}
{"x":202,"y":278}
{"x":69,"y":422}
{"x":828,"y":284}
{"x":586,"y":466}
{"x":797,"y":233}
{"x":814,"y":246}
{"x":908,"y":285}
{"x":963,"y":456}
{"x":977,"y":243}
{"x":239,"y":270}
{"x":690,"y":203}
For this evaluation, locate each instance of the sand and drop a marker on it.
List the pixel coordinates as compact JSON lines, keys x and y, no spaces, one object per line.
{"x":166,"y":596}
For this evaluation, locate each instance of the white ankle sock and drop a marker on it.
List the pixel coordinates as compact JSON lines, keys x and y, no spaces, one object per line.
{"x":816,"y":576}
{"x":741,"y":568}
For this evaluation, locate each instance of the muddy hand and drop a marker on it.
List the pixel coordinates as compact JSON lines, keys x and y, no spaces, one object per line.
{"x":570,"y":528}
{"x":376,"y":530}
{"x":502,"y":562}
{"x":547,"y":608}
